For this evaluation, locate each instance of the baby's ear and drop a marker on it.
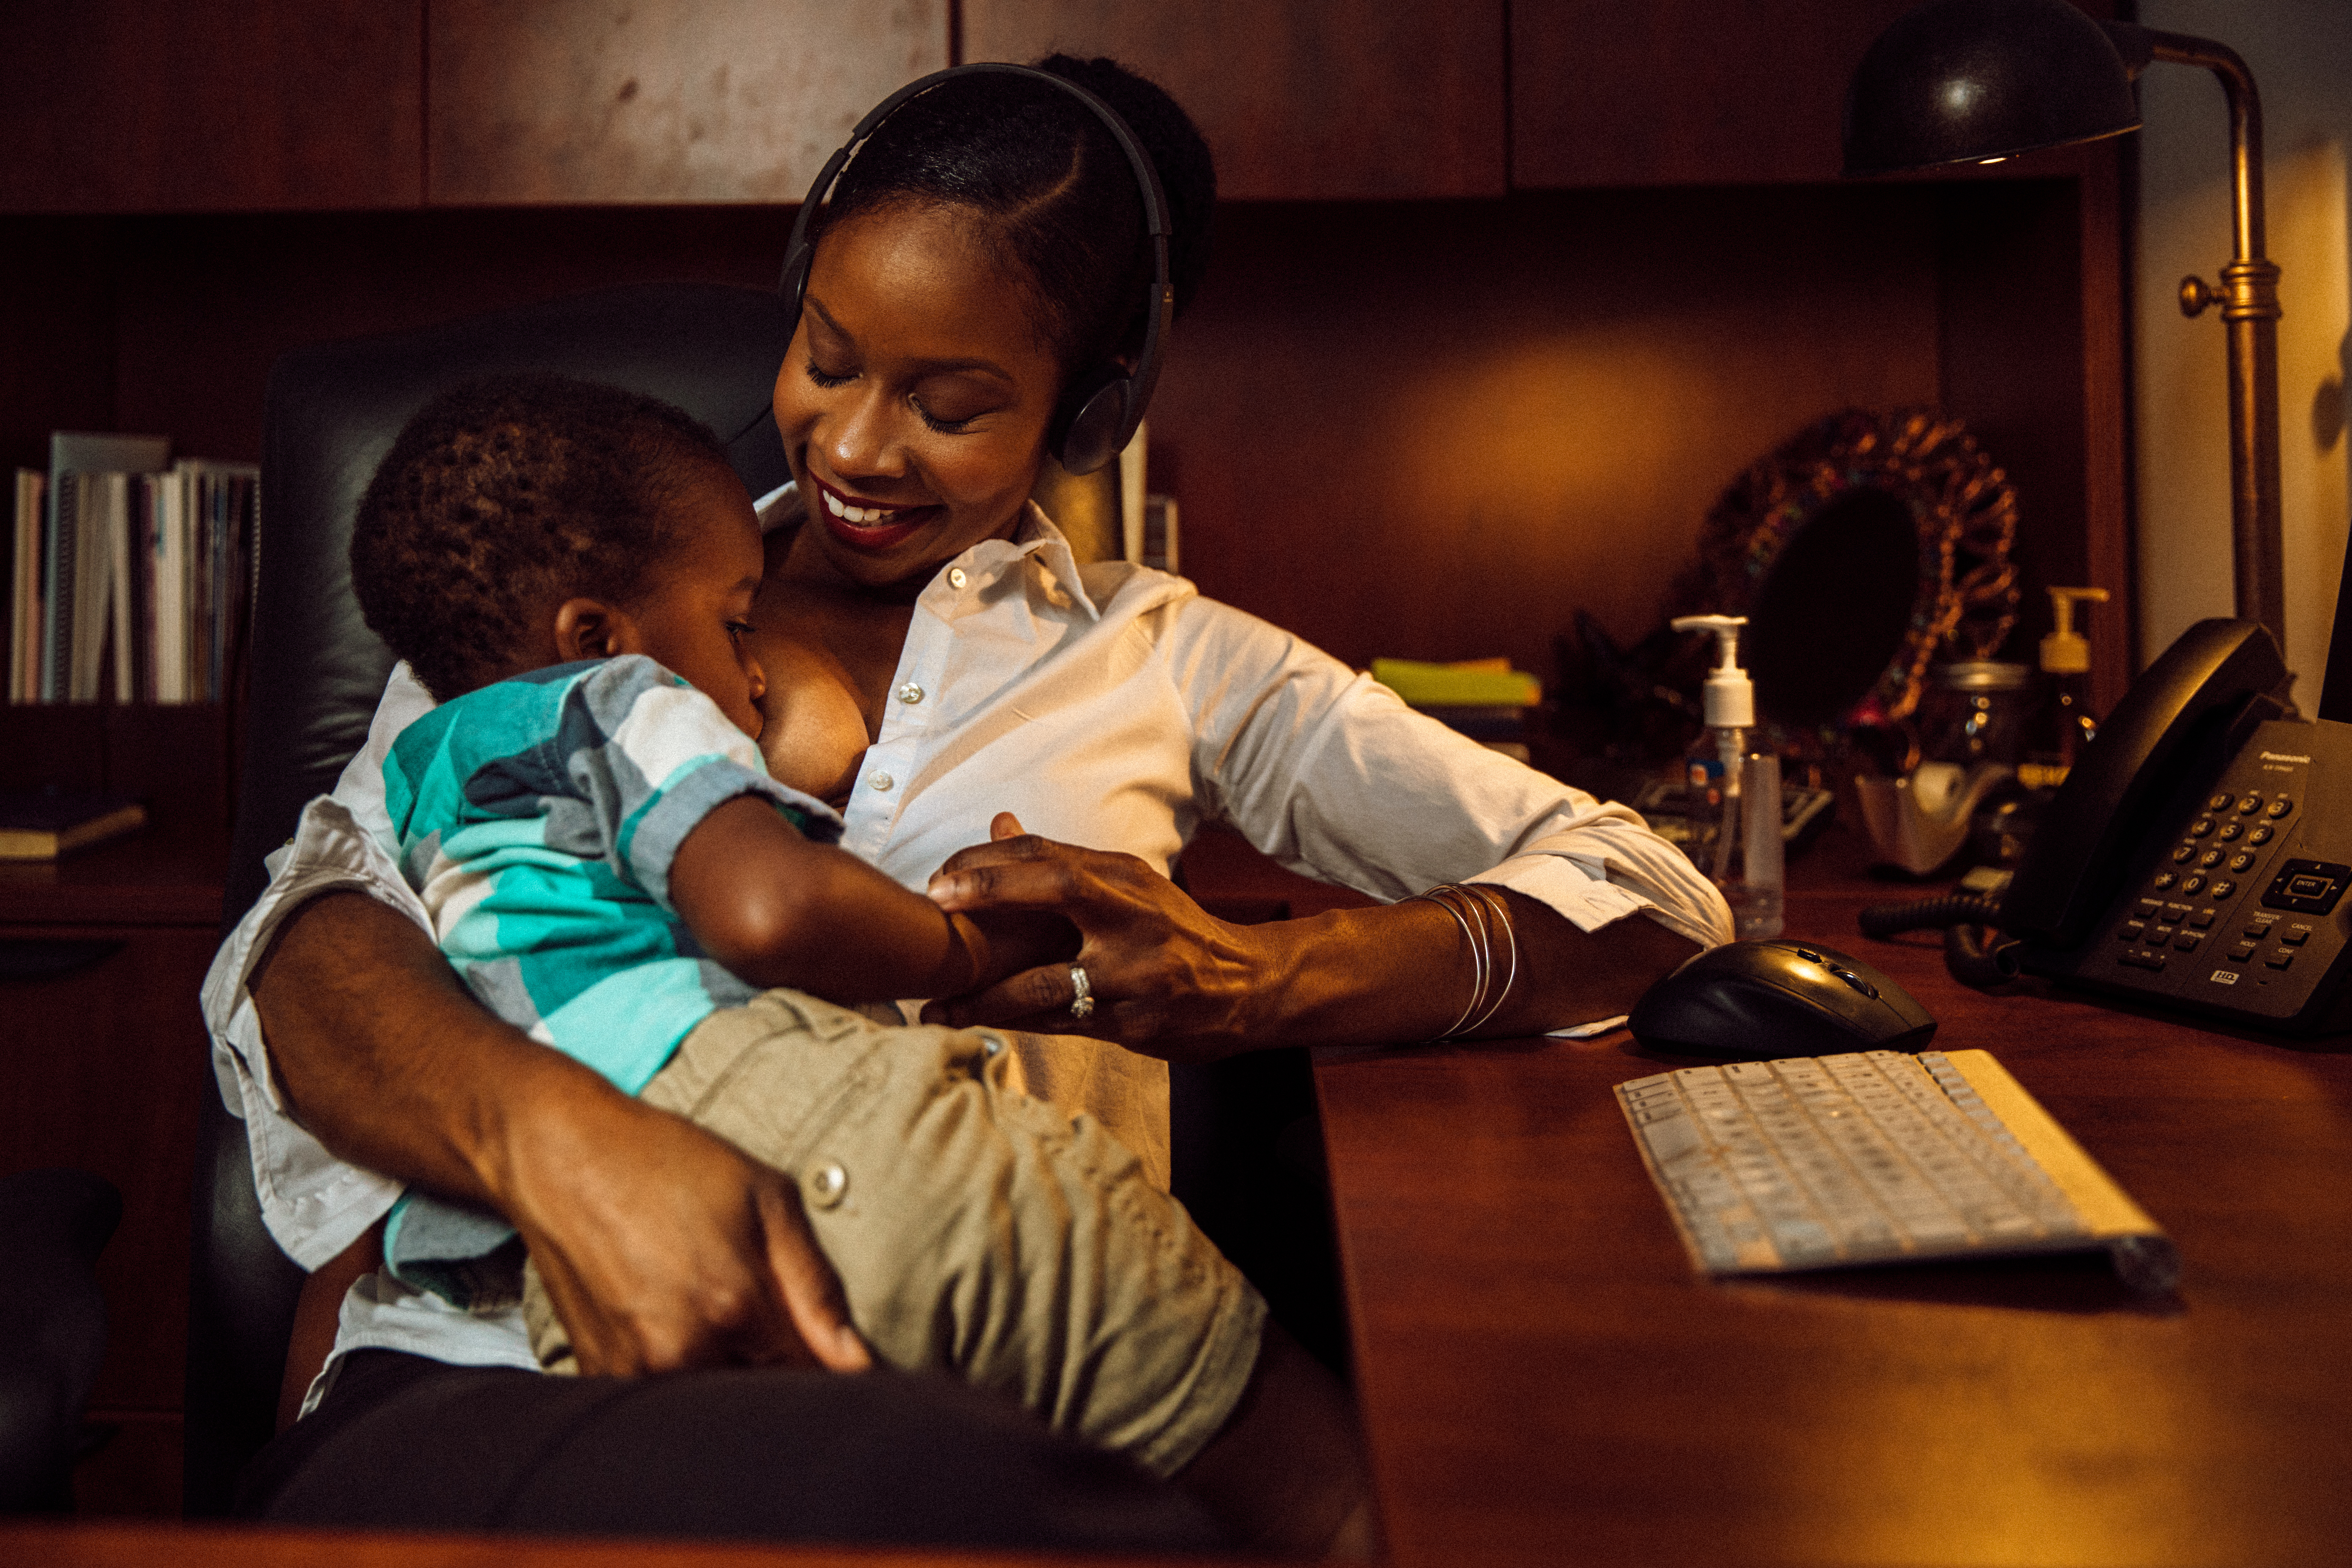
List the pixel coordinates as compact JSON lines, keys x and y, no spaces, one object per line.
{"x":591,"y":629}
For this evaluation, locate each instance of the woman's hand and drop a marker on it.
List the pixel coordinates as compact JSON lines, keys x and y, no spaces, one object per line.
{"x":662,"y":1245}
{"x":1168,"y":979}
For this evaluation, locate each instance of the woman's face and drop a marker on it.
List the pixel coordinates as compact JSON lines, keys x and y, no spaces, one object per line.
{"x":914,"y":399}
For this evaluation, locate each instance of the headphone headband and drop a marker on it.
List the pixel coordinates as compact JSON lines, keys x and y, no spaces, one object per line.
{"x":1098,"y":412}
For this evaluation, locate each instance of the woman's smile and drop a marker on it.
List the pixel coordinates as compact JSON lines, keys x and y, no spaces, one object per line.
{"x":870,"y":525}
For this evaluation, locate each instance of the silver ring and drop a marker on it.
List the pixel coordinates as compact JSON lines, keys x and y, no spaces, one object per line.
{"x":1083,"y":1003}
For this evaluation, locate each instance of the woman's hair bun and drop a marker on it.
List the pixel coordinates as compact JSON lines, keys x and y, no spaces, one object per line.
{"x":1188,"y":171}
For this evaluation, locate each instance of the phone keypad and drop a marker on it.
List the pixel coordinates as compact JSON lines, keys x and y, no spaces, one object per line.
{"x":2244,"y":822}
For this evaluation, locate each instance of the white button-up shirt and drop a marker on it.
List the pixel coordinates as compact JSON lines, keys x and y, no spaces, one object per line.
{"x":1109,"y":705}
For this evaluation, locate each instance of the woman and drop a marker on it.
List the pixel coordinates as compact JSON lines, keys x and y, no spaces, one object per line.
{"x":983,"y":249}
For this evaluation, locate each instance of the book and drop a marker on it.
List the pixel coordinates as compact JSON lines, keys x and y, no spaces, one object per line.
{"x":25,"y":600}
{"x":41,"y":824}
{"x":75,"y":566}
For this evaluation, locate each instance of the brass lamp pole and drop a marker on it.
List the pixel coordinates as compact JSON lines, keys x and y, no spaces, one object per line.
{"x":2250,"y":309}
{"x":1979,"y":81}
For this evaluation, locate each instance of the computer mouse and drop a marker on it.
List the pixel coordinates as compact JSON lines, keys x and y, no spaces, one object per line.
{"x":1779,"y":998}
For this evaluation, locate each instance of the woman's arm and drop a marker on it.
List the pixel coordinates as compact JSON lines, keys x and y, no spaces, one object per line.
{"x":662,"y":1245}
{"x":778,"y":909}
{"x":1173,"y":980}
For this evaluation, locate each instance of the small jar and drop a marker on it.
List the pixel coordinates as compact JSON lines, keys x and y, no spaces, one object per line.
{"x":1977,"y":711}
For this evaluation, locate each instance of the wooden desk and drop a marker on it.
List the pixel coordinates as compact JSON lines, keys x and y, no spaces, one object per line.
{"x":1545,"y":1379}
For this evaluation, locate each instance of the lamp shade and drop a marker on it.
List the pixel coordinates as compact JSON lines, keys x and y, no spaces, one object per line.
{"x":1964,"y":80}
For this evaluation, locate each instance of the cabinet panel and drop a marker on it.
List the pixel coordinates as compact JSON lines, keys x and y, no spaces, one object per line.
{"x":211,"y":105}
{"x":1300,"y":99}
{"x":105,"y":1062}
{"x":1604,"y":94}
{"x":662,"y":100}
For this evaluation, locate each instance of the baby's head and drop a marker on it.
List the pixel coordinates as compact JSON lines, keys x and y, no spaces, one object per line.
{"x":530,"y":521}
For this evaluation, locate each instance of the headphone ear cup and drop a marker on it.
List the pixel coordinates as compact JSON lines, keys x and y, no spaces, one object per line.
{"x":1094,"y":423}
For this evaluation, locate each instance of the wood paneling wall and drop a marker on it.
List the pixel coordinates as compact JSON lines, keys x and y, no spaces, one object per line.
{"x":1436,"y":430}
{"x":224,"y":105}
{"x":1298,"y":97}
{"x":659,"y":101}
{"x":1607,"y":93}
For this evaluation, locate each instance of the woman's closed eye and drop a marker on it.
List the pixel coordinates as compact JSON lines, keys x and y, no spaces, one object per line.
{"x":941,"y":423}
{"x":738,"y":629}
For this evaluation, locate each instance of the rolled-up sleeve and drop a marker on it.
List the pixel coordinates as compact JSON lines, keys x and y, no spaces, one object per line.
{"x":1328,"y":772}
{"x":314,"y":1204}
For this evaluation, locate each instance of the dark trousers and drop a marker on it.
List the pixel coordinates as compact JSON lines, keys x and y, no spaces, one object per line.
{"x":401,"y":1442}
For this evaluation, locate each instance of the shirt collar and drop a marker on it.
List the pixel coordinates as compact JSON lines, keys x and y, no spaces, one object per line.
{"x":984,"y":564}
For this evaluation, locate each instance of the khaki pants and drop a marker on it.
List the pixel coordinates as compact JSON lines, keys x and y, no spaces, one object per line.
{"x":976,"y":1231}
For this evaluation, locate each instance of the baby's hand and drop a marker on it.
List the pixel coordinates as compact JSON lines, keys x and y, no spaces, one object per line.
{"x":1019,"y":940}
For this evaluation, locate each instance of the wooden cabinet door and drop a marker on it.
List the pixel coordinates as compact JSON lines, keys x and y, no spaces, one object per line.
{"x":1300,"y":99}
{"x":1606,"y":93}
{"x":210,"y":105}
{"x":106,"y":1056}
{"x":572,"y":101}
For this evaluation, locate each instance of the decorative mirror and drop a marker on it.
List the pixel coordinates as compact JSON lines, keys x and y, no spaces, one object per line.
{"x":1857,"y":551}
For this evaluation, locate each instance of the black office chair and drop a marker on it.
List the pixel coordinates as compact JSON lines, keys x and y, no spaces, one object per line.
{"x":53,"y":1223}
{"x":316,"y":672}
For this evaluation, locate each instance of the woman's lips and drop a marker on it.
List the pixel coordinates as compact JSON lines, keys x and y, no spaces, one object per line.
{"x":868,"y":525}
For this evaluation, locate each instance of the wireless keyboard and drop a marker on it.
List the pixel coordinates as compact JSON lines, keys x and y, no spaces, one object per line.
{"x":1876,"y":1157}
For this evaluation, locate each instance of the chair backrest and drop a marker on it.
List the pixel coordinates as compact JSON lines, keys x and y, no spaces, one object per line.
{"x":316,"y":672}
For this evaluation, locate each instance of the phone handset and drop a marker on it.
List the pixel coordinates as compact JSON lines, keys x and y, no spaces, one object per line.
{"x":2177,"y":716}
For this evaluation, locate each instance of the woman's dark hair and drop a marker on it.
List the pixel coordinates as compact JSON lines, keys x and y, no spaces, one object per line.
{"x":1069,"y":218}
{"x":505,"y":496}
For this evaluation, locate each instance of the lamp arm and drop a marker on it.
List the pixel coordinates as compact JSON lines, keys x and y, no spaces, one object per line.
{"x":2249,"y":300}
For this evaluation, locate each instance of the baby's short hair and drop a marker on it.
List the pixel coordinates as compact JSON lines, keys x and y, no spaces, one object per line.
{"x":505,"y":496}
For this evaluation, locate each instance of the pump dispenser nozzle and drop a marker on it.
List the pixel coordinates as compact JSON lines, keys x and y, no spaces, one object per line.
{"x":2066,"y":651}
{"x":1730,"y":696}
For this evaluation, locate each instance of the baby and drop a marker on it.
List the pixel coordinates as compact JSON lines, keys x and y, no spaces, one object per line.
{"x":610,"y":866}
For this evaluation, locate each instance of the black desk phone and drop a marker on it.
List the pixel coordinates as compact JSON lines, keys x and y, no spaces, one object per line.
{"x":2199,"y":853}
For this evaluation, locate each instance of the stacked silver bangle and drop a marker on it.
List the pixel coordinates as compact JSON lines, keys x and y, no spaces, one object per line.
{"x":1479,"y":910}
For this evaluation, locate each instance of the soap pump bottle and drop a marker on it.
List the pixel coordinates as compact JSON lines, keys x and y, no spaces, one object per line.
{"x":2064,"y":724}
{"x":1748,"y":861}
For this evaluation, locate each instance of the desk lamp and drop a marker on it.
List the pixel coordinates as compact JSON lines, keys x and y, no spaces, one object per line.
{"x":1960,"y":81}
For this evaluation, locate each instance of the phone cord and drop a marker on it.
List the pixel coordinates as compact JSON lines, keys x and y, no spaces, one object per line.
{"x":1974,"y":952}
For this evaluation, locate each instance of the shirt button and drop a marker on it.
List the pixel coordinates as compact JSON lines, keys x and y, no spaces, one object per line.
{"x":880,"y":781}
{"x":955,"y":577}
{"x":910,"y":692}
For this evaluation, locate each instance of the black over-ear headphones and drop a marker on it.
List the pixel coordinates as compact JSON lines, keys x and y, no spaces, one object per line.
{"x":1098,"y":416}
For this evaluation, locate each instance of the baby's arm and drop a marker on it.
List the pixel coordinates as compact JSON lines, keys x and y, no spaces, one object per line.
{"x":778,"y":909}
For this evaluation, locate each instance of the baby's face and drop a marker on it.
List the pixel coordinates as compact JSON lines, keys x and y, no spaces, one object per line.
{"x":693,"y":615}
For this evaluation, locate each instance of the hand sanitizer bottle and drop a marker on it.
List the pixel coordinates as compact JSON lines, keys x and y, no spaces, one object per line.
{"x":2064,"y":724}
{"x":1747,"y":863}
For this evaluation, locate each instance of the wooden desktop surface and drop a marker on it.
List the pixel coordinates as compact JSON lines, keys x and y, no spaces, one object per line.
{"x":1544,"y":1380}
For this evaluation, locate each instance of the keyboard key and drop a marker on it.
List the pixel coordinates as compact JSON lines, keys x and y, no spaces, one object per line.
{"x":2201,"y":918}
{"x":2281,"y":959}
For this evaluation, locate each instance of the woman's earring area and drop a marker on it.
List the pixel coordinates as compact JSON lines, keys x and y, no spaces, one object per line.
{"x":1082,"y":1003}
